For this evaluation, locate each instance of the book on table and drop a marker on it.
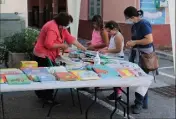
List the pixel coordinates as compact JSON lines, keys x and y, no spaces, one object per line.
{"x":2,"y":79}
{"x":10,"y":71}
{"x":65,"y":76}
{"x":56,"y":69}
{"x":35,"y":70}
{"x":17,"y":79}
{"x":125,"y":72}
{"x":85,"y":75}
{"x":41,"y":77}
{"x":105,"y":72}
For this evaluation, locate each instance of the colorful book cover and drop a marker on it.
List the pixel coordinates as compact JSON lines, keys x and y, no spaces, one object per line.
{"x":33,"y":77}
{"x":17,"y":79}
{"x":2,"y":79}
{"x":53,"y":70}
{"x":35,"y":70}
{"x":46,"y":77}
{"x":28,"y":64}
{"x":10,"y":71}
{"x":138,"y":72}
{"x":66,"y":76}
{"x":88,"y":75}
{"x":125,"y":73}
{"x":105,"y":72}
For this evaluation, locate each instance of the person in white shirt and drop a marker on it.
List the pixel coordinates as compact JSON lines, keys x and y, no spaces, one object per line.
{"x":116,"y":43}
{"x":115,"y":48}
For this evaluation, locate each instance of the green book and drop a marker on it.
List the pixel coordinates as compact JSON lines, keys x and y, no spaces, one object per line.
{"x":18,"y":79}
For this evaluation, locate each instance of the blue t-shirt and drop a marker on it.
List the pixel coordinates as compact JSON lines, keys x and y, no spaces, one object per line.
{"x":139,"y":30}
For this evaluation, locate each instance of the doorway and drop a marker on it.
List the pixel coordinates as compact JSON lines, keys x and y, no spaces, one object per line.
{"x":62,"y":6}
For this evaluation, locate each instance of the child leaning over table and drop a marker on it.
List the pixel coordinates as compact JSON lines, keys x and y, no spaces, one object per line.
{"x":115,"y":48}
{"x":99,"y":35}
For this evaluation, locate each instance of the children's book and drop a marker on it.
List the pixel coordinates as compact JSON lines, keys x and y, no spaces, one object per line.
{"x":53,"y":70}
{"x":17,"y":79}
{"x":138,"y":72}
{"x":2,"y":79}
{"x":28,"y":64}
{"x":65,"y":76}
{"x":33,"y":77}
{"x":10,"y":71}
{"x":105,"y":72}
{"x":88,"y":75}
{"x":35,"y":70}
{"x":46,"y":77}
{"x":41,"y":77}
{"x":125,"y":72}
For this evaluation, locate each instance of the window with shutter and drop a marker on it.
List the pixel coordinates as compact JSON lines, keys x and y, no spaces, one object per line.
{"x":95,"y":8}
{"x":2,"y":1}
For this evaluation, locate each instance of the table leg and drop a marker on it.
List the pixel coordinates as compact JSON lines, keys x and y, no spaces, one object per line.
{"x":72,"y":96}
{"x":91,"y":103}
{"x":128,"y":105}
{"x":53,"y":104}
{"x":79,"y":101}
{"x":114,"y":104}
{"x":2,"y":104}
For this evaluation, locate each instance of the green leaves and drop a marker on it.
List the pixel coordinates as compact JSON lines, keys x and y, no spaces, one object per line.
{"x":22,"y":42}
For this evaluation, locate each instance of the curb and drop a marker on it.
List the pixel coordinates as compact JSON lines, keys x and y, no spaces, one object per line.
{"x":160,"y":54}
{"x":164,"y":55}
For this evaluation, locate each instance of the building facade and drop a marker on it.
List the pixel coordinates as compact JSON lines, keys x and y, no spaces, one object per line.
{"x":18,"y":7}
{"x":40,"y":11}
{"x":113,"y":10}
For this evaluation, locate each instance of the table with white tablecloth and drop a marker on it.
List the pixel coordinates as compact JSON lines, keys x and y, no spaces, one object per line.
{"x":105,"y":83}
{"x":141,"y":83}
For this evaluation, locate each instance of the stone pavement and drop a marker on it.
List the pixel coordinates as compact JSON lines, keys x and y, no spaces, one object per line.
{"x":25,"y":105}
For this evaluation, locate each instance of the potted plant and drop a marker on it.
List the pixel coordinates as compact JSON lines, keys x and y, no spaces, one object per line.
{"x":20,"y":46}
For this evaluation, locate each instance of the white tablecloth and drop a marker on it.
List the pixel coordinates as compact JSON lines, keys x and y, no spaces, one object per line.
{"x":119,"y":82}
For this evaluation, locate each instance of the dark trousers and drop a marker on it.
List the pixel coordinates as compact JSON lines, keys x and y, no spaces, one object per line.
{"x":44,"y":94}
{"x":139,"y":99}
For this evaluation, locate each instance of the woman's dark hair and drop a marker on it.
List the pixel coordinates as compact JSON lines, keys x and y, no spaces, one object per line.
{"x":63,"y":19}
{"x":112,"y":25}
{"x":98,"y":19}
{"x":132,"y":12}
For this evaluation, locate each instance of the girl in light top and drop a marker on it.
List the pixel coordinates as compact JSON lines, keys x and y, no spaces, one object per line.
{"x":116,"y":44}
{"x":115,"y":48}
{"x":99,"y":35}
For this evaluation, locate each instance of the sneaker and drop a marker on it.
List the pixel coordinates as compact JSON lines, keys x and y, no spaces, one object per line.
{"x":51,"y":102}
{"x":136,"y":109}
{"x":144,"y":106}
{"x":111,"y":97}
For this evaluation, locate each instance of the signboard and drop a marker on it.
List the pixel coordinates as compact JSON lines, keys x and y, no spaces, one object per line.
{"x":151,"y":13}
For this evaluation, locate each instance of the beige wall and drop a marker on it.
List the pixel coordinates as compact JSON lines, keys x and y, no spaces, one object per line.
{"x":12,"y":6}
{"x":114,"y":9}
{"x":84,"y":10}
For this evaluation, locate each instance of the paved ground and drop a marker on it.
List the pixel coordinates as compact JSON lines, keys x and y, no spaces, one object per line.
{"x":23,"y":105}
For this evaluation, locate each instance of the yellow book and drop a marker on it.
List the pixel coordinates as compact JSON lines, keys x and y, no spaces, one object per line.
{"x":28,"y":64}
